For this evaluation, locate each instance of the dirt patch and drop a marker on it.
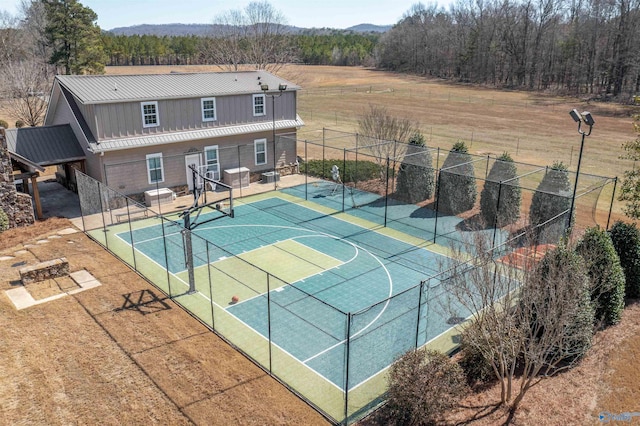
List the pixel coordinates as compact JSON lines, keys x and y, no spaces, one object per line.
{"x":121,"y":353}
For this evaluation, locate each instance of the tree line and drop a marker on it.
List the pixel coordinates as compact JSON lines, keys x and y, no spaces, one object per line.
{"x":337,"y":48}
{"x":578,"y":47}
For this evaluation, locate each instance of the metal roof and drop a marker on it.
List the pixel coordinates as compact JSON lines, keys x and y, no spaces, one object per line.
{"x":96,"y":89}
{"x":216,"y":132}
{"x":46,"y":145}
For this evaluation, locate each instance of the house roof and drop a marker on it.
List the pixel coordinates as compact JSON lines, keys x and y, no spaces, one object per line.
{"x":96,"y":89}
{"x":214,"y":132}
{"x":46,"y":145}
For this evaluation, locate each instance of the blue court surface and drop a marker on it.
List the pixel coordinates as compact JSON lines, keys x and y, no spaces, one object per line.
{"x":370,"y":296}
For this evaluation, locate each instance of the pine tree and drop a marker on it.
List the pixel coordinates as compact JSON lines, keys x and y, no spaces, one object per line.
{"x":74,"y":37}
{"x":416,"y":179}
{"x":457,"y":190}
{"x":505,"y":197}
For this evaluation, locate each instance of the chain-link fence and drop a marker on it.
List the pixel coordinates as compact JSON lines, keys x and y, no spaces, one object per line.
{"x":442,"y":196}
{"x":337,"y":359}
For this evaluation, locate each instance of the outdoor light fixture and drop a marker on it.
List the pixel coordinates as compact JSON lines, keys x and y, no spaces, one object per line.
{"x":586,"y":118}
{"x":281,"y":88}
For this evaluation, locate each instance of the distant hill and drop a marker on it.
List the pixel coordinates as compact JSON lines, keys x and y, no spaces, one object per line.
{"x":206,"y":29}
{"x":370,"y":28}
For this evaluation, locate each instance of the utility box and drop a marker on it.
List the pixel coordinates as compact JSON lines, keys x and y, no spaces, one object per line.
{"x":158,"y":196}
{"x":237,"y":178}
{"x":270,"y":177}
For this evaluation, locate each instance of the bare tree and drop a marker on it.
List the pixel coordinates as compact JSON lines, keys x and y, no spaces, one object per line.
{"x":384,"y":135}
{"x":256,"y":36}
{"x":29,"y":86}
{"x":10,"y":43}
{"x":534,"y":321}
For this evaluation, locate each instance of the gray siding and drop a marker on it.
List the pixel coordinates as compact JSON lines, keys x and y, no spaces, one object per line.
{"x":64,"y":115}
{"x":126,"y":170}
{"x":121,"y":120}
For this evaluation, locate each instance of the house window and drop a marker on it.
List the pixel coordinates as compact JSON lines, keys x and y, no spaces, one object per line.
{"x":260,"y":146}
{"x":150,"y":114}
{"x":155,"y":171}
{"x":211,"y":159}
{"x":208,"y":109}
{"x":258,"y":105}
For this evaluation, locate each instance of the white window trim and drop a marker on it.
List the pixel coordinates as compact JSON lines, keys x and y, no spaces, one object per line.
{"x":215,"y":110}
{"x":155,"y":104}
{"x":264,"y":105}
{"x":156,"y":155}
{"x":255,"y":150}
{"x":206,"y":162}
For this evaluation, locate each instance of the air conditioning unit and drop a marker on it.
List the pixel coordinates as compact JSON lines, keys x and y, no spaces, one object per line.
{"x":270,"y":177}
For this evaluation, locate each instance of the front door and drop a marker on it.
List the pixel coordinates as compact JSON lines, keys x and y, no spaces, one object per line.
{"x":192,"y":159}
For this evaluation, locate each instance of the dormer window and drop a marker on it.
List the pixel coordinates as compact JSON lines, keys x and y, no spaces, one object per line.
{"x":258,"y":105}
{"x":150,"y":114}
{"x":208,"y":109}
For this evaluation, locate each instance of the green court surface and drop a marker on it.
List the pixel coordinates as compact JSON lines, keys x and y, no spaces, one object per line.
{"x":326,"y":301}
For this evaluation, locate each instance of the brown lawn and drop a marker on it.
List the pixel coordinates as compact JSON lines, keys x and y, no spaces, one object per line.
{"x":90,"y":358}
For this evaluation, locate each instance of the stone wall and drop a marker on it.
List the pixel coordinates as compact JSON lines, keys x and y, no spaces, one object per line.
{"x":15,"y":204}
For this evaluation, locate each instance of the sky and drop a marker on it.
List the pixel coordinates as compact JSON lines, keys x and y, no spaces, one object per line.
{"x":299,"y":13}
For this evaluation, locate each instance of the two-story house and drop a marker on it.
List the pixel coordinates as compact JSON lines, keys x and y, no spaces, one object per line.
{"x":141,"y":132}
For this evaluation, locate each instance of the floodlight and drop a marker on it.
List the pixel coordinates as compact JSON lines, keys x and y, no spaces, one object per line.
{"x":575,"y":115}
{"x":588,"y":118}
{"x":282,"y":87}
{"x":264,"y":87}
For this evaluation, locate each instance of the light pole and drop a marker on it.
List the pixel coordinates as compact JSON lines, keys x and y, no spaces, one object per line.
{"x":265,"y":89}
{"x":587,"y":119}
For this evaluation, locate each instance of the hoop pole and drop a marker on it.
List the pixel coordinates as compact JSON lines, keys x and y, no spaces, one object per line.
{"x":189,"y":253}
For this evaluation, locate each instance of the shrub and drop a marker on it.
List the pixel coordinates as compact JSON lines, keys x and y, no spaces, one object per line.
{"x":552,"y":197}
{"x":560,"y":299}
{"x":626,"y":241}
{"x":19,"y":124}
{"x":422,"y":386}
{"x":505,"y":197}
{"x":476,"y":368}
{"x":4,"y":221}
{"x":416,"y":177}
{"x":4,"y":124}
{"x":353,"y":172}
{"x":605,"y":273}
{"x":457,"y":188}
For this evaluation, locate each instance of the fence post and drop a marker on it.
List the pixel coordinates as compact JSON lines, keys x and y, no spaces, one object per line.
{"x":323,"y":160}
{"x":133,"y":245}
{"x":613,"y":195}
{"x":344,"y":173}
{"x":495,"y":220}
{"x":355,"y":177}
{"x":435,"y":227}
{"x":346,"y":374}
{"x":213,"y":321}
{"x":306,"y":168}
{"x":386,"y":193}
{"x":419,"y":305}
{"x":166,"y":256}
{"x":269,"y":320}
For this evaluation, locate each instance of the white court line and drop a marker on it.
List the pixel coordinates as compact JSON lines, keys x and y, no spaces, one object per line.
{"x":180,"y":280}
